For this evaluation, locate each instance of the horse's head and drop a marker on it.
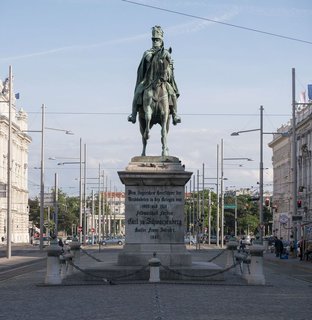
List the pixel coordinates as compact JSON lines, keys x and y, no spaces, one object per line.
{"x":162,"y":66}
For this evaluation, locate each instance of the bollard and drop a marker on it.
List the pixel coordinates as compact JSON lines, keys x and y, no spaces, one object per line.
{"x":69,"y":267}
{"x":256,"y":275}
{"x":53,"y":275}
{"x":239,"y":258}
{"x":246,"y":266}
{"x":154,"y":264}
{"x":62,"y":267}
{"x":231,"y":247}
{"x":75,"y":251}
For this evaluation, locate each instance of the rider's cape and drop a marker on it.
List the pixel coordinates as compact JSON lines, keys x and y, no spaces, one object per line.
{"x":142,"y":83}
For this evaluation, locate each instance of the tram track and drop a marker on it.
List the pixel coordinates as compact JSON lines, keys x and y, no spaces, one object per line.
{"x":13,"y":271}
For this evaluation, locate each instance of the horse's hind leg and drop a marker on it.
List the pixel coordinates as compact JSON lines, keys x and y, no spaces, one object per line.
{"x":165,"y":149}
{"x":144,"y":147}
{"x":144,"y":141}
{"x":148,"y":117}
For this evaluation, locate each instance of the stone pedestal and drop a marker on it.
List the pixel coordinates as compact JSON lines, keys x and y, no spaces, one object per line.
{"x":154,"y":214}
{"x":256,"y":275}
{"x":53,"y":275}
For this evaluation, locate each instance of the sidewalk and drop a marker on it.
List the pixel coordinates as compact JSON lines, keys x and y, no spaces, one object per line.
{"x":20,"y":254}
{"x":294,"y":262}
{"x":30,"y":253}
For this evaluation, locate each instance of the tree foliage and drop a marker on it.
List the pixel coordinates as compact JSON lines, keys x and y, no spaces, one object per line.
{"x":247,"y":213}
{"x":68,"y":212}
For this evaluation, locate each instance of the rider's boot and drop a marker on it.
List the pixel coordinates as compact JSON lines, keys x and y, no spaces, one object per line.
{"x":132,"y":116}
{"x":175,"y":118}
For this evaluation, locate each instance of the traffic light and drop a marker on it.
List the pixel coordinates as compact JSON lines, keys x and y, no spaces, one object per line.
{"x":299,"y":203}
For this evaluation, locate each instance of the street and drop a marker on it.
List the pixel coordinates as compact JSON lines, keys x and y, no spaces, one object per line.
{"x":286,"y":295}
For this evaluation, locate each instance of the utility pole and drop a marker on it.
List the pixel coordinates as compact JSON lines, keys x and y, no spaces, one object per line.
{"x":56,"y":205}
{"x":85,"y":195}
{"x":99,"y":209}
{"x":218,"y":199}
{"x":42,"y":177}
{"x":92,"y":217}
{"x":222,"y":195}
{"x":209,"y":216}
{"x":80,"y":192}
{"x":261,"y":176}
{"x":9,"y":172}
{"x":294,"y":152}
{"x":203,"y":200}
{"x":235,"y":217}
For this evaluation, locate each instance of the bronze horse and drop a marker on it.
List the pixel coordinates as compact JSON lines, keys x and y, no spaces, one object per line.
{"x":155,"y":109}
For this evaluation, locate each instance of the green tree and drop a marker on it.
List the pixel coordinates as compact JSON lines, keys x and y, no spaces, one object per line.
{"x":34,"y":211}
{"x":68,"y":212}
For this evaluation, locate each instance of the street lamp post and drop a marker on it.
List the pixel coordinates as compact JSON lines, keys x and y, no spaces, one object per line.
{"x":9,"y":171}
{"x":42,"y":166}
{"x":222,"y":187}
{"x":82,"y":192}
{"x":42,"y":178}
{"x":260,"y":166}
{"x":222,"y":195}
{"x":260,"y":169}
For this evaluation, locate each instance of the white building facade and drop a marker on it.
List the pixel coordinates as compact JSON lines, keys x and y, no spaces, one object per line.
{"x":19,"y":168}
{"x":285,"y":223}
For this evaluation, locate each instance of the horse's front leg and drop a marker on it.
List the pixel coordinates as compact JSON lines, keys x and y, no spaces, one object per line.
{"x":148,"y":117}
{"x":165,"y":149}
{"x":144,"y":147}
{"x":164,"y":128}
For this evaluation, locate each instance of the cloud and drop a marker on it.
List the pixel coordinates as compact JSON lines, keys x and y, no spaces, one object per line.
{"x":190,"y":27}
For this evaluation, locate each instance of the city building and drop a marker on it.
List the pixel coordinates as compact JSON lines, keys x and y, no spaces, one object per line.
{"x":304,"y":170}
{"x":114,"y":215}
{"x":281,"y":203}
{"x":19,"y":168}
{"x":285,"y":223}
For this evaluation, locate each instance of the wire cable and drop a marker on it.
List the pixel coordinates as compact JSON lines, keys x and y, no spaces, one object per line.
{"x":220,"y":22}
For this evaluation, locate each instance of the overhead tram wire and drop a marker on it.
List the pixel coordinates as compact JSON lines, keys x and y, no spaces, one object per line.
{"x":219,"y":22}
{"x":184,"y":114}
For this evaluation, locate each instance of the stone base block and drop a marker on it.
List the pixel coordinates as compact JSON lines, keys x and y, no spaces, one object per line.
{"x":169,"y":254}
{"x":197,"y":271}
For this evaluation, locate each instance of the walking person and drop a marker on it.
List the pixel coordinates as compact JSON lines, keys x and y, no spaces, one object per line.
{"x":279,"y":247}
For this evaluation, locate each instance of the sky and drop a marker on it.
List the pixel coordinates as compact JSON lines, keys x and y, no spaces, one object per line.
{"x":80,"y":57}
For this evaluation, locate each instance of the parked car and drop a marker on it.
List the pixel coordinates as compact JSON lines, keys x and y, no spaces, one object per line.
{"x":246,"y":240}
{"x":68,"y":240}
{"x":226,"y":238}
{"x":213,"y":239}
{"x":113,"y":240}
{"x":36,"y":242}
{"x":46,"y":241}
{"x":189,"y":239}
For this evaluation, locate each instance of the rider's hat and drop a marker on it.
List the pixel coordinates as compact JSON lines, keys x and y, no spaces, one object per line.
{"x":157,"y":33}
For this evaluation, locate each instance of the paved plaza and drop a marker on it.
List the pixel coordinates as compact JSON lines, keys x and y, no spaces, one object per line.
{"x":285,"y":295}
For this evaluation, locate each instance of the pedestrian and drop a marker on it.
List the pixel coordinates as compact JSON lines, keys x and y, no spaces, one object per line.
{"x":301,"y":254}
{"x":242,"y":244}
{"x":61,"y":243}
{"x":279,"y":247}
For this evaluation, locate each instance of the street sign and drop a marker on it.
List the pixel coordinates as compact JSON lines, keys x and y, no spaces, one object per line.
{"x":296,"y":218}
{"x":283,"y":218}
{"x":229,"y":206}
{"x":48,"y":199}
